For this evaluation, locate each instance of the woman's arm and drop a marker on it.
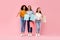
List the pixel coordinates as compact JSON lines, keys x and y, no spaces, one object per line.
{"x":18,"y":14}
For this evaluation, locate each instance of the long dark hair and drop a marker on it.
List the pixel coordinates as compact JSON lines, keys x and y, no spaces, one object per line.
{"x":30,"y":7}
{"x":25,"y":7}
{"x":39,"y":11}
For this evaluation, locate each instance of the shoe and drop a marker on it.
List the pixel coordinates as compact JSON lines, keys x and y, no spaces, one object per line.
{"x":29,"y":34}
{"x":38,"y":34}
{"x":21,"y":35}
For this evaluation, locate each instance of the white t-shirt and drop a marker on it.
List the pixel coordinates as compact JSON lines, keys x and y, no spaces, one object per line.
{"x":38,"y":16}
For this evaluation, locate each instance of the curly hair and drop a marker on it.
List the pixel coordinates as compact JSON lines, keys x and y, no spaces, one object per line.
{"x":25,"y":7}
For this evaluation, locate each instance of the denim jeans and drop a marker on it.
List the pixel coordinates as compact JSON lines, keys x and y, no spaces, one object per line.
{"x":23,"y":22}
{"x":28,"y":26}
{"x":37,"y":26}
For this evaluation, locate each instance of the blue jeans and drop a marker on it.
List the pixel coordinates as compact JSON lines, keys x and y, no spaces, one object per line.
{"x":37,"y":26}
{"x":28,"y":26}
{"x":23,"y":22}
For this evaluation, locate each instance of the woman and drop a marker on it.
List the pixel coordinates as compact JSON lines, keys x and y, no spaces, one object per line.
{"x":22,"y":13}
{"x":28,"y":18}
{"x":38,"y":21}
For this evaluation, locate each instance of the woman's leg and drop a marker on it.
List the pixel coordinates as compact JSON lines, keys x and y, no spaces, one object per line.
{"x":23,"y":22}
{"x":24,"y":25}
{"x":28,"y":26}
{"x":37,"y":26}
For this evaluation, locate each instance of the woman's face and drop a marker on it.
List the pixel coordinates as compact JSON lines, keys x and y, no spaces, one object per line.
{"x":29,"y":7}
{"x":24,"y":8}
{"x":38,"y":9}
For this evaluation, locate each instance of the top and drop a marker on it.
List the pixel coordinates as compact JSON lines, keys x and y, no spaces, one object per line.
{"x":22,"y":13}
{"x":38,"y":16}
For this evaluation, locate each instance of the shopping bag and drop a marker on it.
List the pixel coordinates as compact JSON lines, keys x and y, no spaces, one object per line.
{"x":44,"y":19}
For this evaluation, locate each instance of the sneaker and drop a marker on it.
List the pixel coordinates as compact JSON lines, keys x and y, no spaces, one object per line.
{"x":29,"y":34}
{"x":38,"y":34}
{"x":21,"y":35}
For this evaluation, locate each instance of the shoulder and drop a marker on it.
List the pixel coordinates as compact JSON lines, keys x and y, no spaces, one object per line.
{"x":36,"y":13}
{"x":27,"y":11}
{"x":21,"y":10}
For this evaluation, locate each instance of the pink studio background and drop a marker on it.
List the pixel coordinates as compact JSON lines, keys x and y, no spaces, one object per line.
{"x":9,"y":23}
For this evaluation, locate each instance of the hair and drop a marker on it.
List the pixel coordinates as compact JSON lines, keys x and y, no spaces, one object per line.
{"x":30,"y":7}
{"x":39,"y":11}
{"x":25,"y":7}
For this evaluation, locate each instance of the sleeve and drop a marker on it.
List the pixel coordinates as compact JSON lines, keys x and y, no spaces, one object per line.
{"x":20,"y":13}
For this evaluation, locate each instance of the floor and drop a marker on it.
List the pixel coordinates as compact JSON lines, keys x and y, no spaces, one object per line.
{"x":18,"y":37}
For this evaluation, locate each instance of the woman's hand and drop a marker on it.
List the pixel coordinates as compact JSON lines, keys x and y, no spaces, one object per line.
{"x":17,"y":15}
